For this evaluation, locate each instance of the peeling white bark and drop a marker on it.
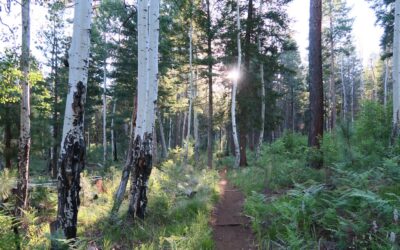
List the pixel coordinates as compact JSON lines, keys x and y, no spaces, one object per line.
{"x":234,"y":90}
{"x":148,"y":33}
{"x":71,"y":161}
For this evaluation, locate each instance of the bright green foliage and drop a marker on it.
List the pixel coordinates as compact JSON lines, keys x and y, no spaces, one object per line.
{"x":9,"y":78}
{"x":7,"y":236}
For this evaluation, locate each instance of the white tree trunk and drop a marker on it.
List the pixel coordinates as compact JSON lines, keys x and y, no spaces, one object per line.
{"x":25,"y":123}
{"x":396,"y":71}
{"x":72,"y":155}
{"x":234,"y":90}
{"x":148,"y":32}
{"x":190,"y":95}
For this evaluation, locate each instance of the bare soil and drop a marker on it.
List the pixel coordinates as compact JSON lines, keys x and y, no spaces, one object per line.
{"x":231,"y":229}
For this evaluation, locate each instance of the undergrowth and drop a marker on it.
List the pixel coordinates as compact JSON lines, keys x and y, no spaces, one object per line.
{"x":352,"y":203}
{"x":180,"y":200}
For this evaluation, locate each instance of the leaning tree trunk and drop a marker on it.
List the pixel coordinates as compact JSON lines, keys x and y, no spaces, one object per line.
{"x":396,"y":73}
{"x":162,"y":135}
{"x":148,"y":32}
{"x":72,"y":155}
{"x":119,"y":195}
{"x":234,"y":90}
{"x":25,"y":129}
{"x":316,"y":86}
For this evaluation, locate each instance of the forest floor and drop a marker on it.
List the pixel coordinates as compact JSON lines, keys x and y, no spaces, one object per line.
{"x":231,"y":229}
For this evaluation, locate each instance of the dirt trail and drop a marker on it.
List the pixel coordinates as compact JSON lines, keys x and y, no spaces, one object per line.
{"x":231,"y":229}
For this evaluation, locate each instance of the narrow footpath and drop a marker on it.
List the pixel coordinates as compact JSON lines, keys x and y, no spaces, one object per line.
{"x":231,"y":229}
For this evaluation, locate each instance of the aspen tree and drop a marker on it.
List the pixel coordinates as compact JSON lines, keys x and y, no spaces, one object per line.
{"x":72,"y":155}
{"x":234,"y":90}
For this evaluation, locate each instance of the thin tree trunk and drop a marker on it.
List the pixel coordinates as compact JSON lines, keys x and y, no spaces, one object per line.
{"x":178,"y":127}
{"x":164,"y":145}
{"x":196,"y":126}
{"x":170,"y":133}
{"x":352,"y":98}
{"x":396,"y":74}
{"x":343,"y":91}
{"x":210,"y":90}
{"x":261,"y":136}
{"x":104,"y":113}
{"x":385,"y":82}
{"x":113,"y":139}
{"x":25,"y":129}
{"x":332,"y":89}
{"x":7,"y":137}
{"x":190,"y":91}
{"x":129,"y":161}
{"x":72,"y":155}
{"x":316,"y":86}
{"x":374,"y":90}
{"x":234,"y":90}
{"x":184,"y":127}
{"x":55,"y":117}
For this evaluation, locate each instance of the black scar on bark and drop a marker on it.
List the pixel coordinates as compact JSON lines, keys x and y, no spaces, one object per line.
{"x":77,"y":104}
{"x":140,"y":176}
{"x":72,"y":162}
